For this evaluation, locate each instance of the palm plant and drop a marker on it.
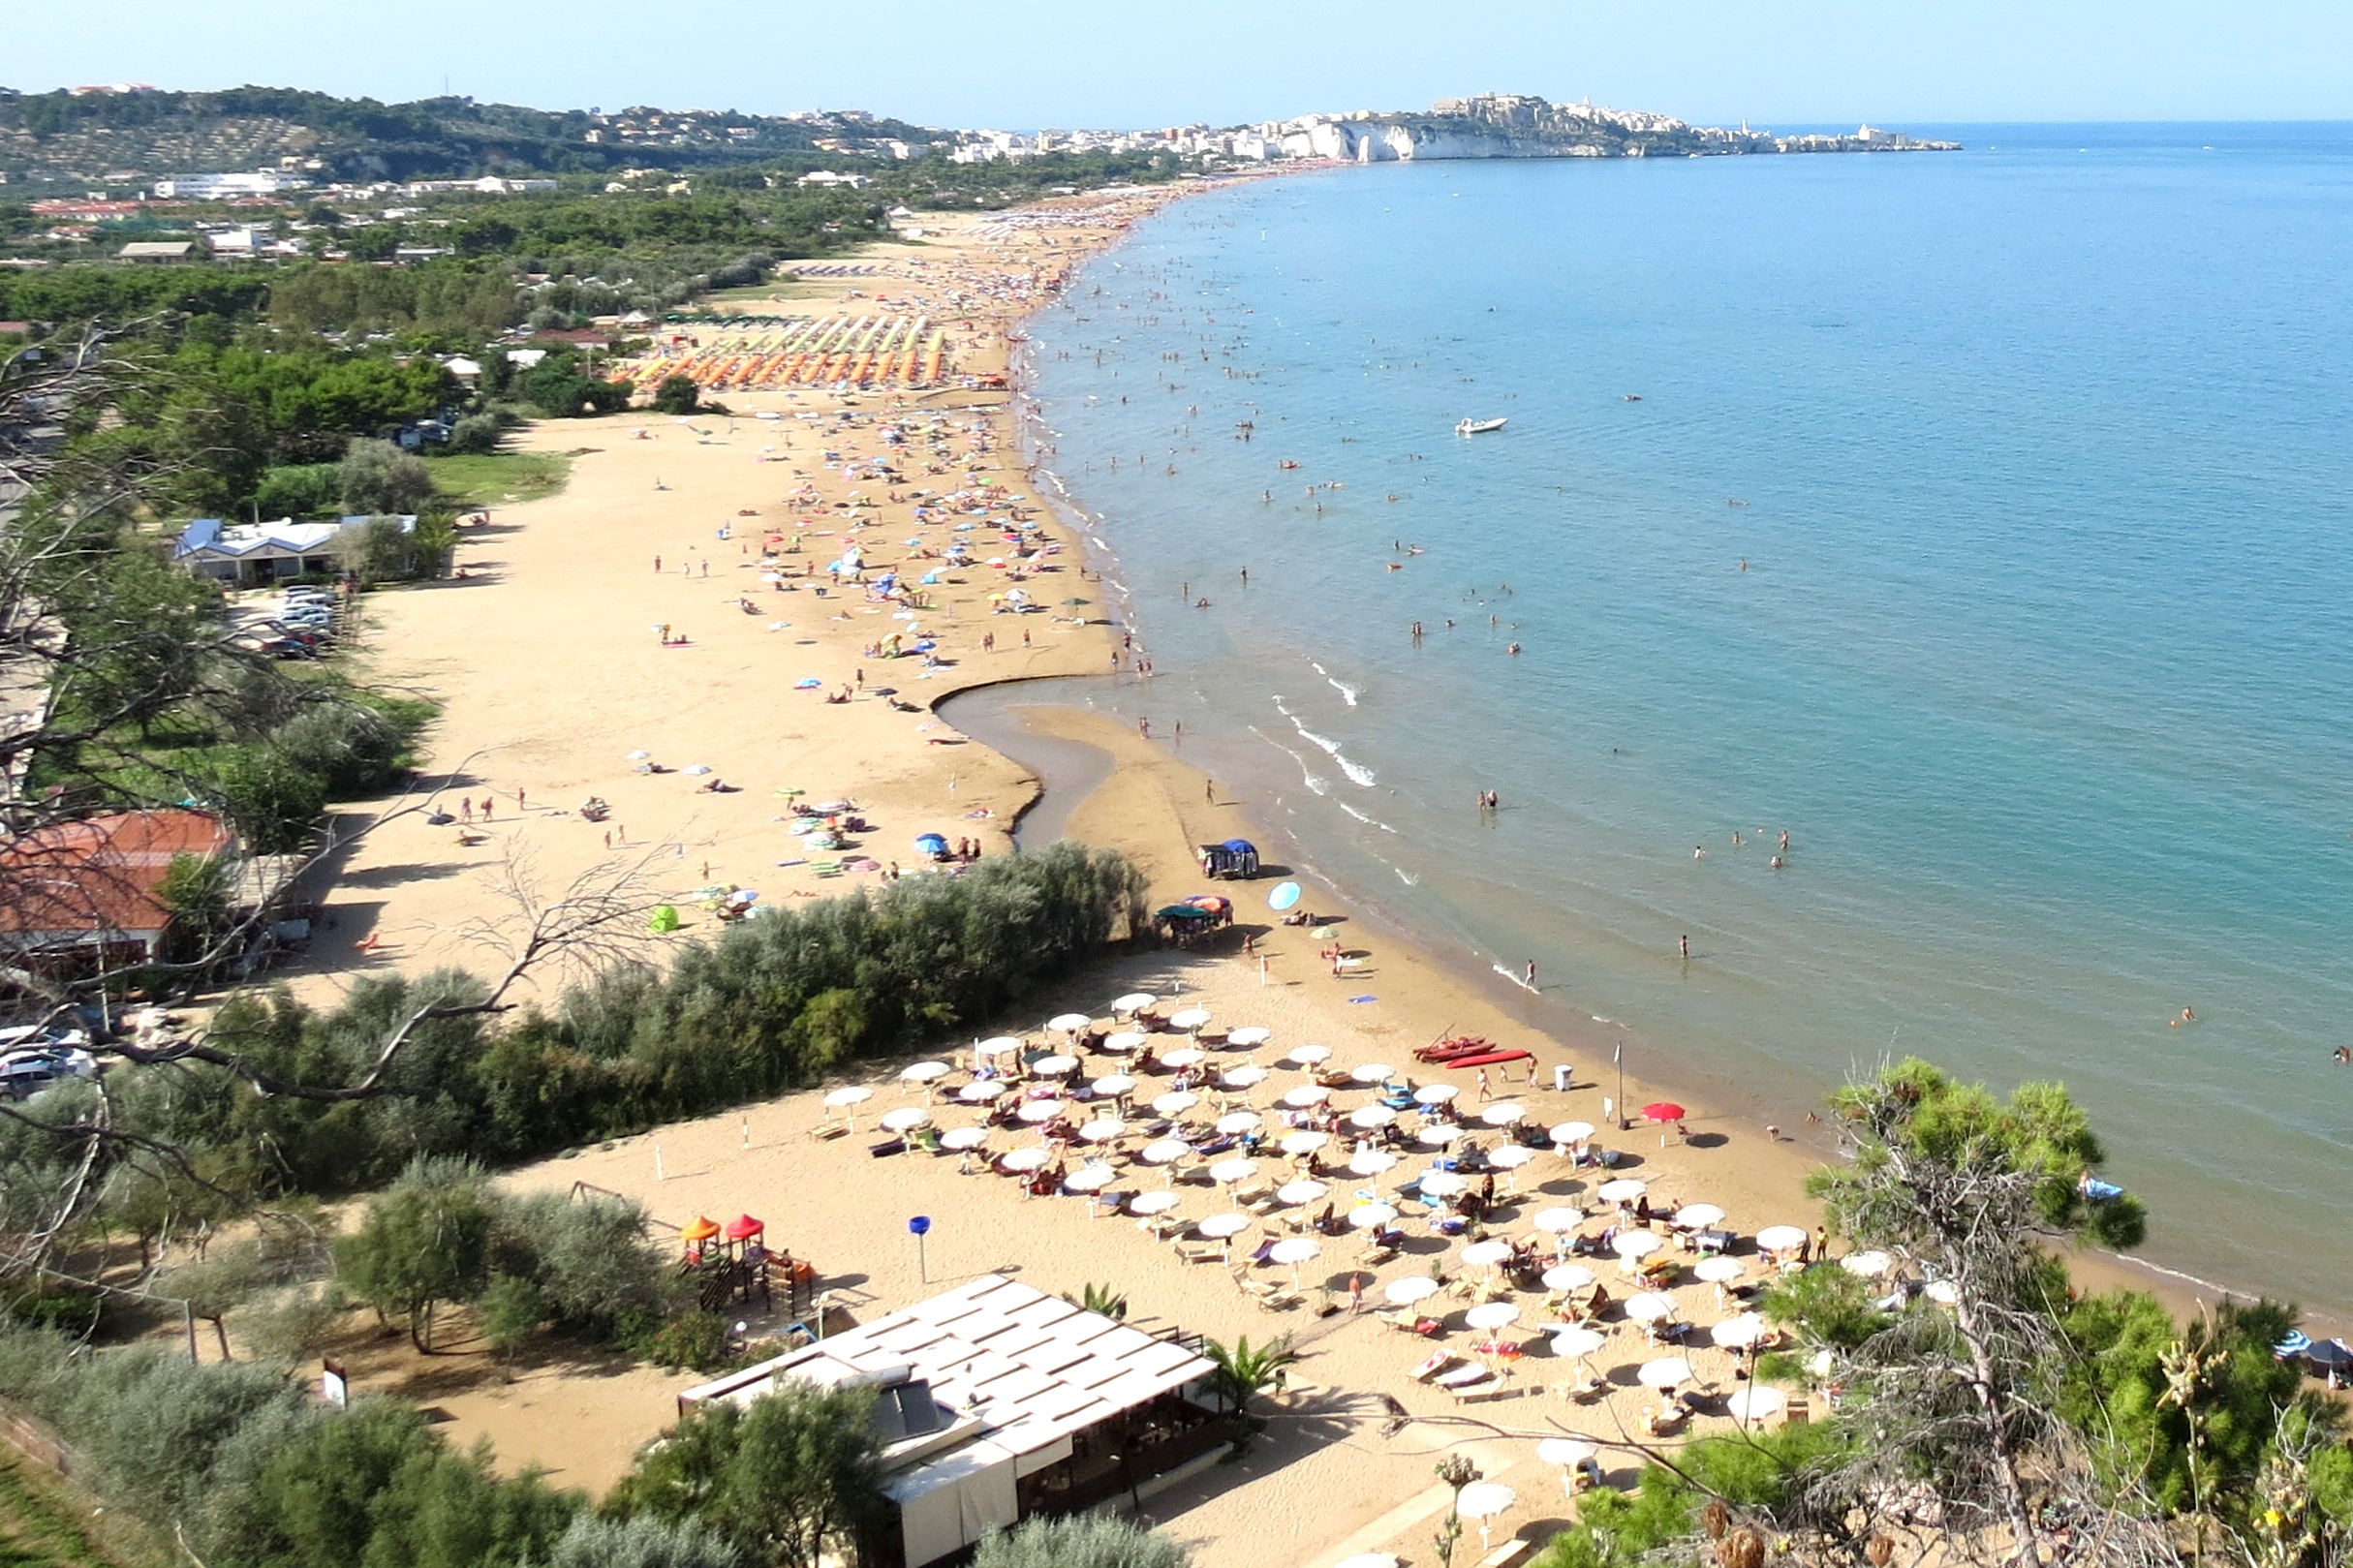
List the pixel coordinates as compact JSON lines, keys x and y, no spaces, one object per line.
{"x":1241,"y":1371}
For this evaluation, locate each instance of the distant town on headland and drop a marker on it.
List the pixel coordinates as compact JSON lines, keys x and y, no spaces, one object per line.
{"x":132,"y":137}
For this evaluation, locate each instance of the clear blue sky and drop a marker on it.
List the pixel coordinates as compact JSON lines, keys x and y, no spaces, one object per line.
{"x":1083,"y":62}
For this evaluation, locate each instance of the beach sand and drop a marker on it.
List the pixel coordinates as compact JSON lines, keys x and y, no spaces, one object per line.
{"x":550,"y":672}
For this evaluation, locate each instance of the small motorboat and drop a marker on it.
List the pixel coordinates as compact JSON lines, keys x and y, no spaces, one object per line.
{"x":1479,"y":427}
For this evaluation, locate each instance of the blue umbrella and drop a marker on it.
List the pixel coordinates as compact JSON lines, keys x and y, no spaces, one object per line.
{"x":1284,"y":895}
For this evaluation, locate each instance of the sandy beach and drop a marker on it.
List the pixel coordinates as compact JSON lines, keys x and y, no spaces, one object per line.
{"x":551,"y":673}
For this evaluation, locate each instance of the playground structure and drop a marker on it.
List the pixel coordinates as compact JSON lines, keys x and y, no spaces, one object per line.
{"x":875,"y":352}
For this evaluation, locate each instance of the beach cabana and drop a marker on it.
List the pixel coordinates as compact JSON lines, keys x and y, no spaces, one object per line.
{"x":1233,"y":858}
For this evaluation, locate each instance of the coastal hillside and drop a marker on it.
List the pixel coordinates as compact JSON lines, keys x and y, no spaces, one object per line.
{"x":133,"y":135}
{"x":1512,"y":125}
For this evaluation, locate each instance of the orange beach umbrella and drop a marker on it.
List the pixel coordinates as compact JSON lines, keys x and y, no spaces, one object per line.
{"x":701,"y":1228}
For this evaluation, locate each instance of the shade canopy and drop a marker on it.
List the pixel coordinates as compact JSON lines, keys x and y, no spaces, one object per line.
{"x":1557,"y":1220}
{"x":1128,"y":1039}
{"x":1444,"y":1184}
{"x":1054,"y":1066}
{"x":1304,"y":1142}
{"x":1227,"y":1171}
{"x":1371,"y":1072}
{"x":1089,"y":1178}
{"x":1486,"y":1254}
{"x":1625,"y":1189}
{"x":1298,"y":1192}
{"x":1164,"y":1151}
{"x":1024,"y":1159}
{"x":1176,"y":1104}
{"x":1577,"y":1340}
{"x":1413,"y":1287}
{"x":1112,"y":1085}
{"x":701,"y":1228}
{"x":1438,"y":1135}
{"x":853,"y":1094}
{"x":1698,"y":1215}
{"x":1493,"y":1315}
{"x":1512,"y":1157}
{"x":1650,"y":1307}
{"x":1505,"y":1114}
{"x":1636,"y":1244}
{"x":1218,"y":1227}
{"x":906,"y":1119}
{"x":1371,"y":1161}
{"x":925,"y":1073}
{"x":1370,"y":1117}
{"x":1306,"y":1055}
{"x":1565,"y":1451}
{"x":1036,"y":1111}
{"x":1190,"y":1019}
{"x":1133,"y":1001}
{"x":958,"y":1139}
{"x":1068,"y":1023}
{"x":1663,"y":1111}
{"x":1720,"y":1270}
{"x":1251,"y":1036}
{"x":1184,"y":1055}
{"x":1781,"y":1238}
{"x":1244,"y":1077}
{"x":1296,"y":1249}
{"x":998,"y":1045}
{"x":1104,"y":1130}
{"x":1153,"y":1202}
{"x":983,"y":1091}
{"x":1233,"y":1123}
{"x":1371,"y":1216}
{"x":1567,"y":1277}
{"x":1434,"y":1094}
{"x":1306,"y":1097}
{"x":1572,"y":1132}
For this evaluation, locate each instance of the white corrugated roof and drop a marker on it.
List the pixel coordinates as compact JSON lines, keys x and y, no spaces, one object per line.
{"x":1032,"y":1366}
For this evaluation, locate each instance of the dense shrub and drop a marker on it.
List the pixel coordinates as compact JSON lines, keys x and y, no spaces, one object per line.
{"x":1081,"y":1541}
{"x":301,"y":490}
{"x":474,"y":434}
{"x":380,"y":480}
{"x":350,"y":750}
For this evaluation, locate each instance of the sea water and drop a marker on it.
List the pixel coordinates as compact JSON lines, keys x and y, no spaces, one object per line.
{"x":1981,"y":522}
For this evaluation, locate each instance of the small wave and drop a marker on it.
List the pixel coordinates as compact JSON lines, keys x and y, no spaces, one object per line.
{"x":1409,"y":881}
{"x":1307,"y":775}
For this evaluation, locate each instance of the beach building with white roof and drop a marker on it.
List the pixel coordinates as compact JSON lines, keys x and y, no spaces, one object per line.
{"x":996,"y":1400}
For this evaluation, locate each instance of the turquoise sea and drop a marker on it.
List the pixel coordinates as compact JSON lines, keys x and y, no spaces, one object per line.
{"x":2039,"y":459}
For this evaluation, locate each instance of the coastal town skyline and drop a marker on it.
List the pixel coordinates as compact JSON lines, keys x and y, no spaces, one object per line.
{"x":2283,"y":59}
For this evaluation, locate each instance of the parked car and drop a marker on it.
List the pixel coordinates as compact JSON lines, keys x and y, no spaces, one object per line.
{"x":26,"y":1073}
{"x":293,"y":648}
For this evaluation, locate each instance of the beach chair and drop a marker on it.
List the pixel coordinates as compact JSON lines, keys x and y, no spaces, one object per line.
{"x":1585,"y":1390}
{"x":1508,"y":1552}
{"x":1436,"y":1362}
{"x":1200,"y":1251}
{"x":830,"y":1129}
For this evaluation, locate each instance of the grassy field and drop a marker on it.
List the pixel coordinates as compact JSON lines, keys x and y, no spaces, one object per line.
{"x":41,"y":1529}
{"x":500,"y":478}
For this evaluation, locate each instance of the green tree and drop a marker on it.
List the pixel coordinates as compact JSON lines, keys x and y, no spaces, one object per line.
{"x":677,"y":394}
{"x":1081,"y":1541}
{"x":1241,"y":1371}
{"x":197,"y":890}
{"x":425,"y":1239}
{"x":380,"y":480}
{"x":791,"y":1479}
{"x":643,"y":1542}
{"x":274,"y":800}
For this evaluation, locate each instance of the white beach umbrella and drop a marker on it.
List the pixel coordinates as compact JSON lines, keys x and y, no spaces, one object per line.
{"x":1438,"y":1135}
{"x":998,"y":1045}
{"x":1296,"y":1143}
{"x":1024,"y":1159}
{"x":1163,"y":1152}
{"x":1565,"y":1452}
{"x":1184,"y":1055}
{"x":959,"y":1139}
{"x":1559,"y":1221}
{"x":1434,"y":1094}
{"x":1444,"y":1184}
{"x":1757,"y":1402}
{"x":1512,"y":1157}
{"x":1567,"y":1277}
{"x":1486,"y":1254}
{"x":1234,"y":1123}
{"x":1625,"y":1189}
{"x":1493,"y":1315}
{"x":1720,"y":1270}
{"x":1664,"y":1372}
{"x":1176,"y":1104}
{"x":1869,"y":1264}
{"x":1699,"y":1216}
{"x":1249,"y":1037}
{"x":1483,"y":1501}
{"x":1572,"y":1132}
{"x":1148,"y":1204}
{"x":1413,"y":1287}
{"x":1781,"y":1238}
{"x":1369,"y":1560}
{"x":1054,"y":1066}
{"x":925,"y":1073}
{"x":853,"y":1094}
{"x":1738,"y":1332}
{"x":1306,"y":1095}
{"x":1371,"y":1072}
{"x":1371,"y":1215}
{"x":1306,"y":1055}
{"x":1636,"y":1244}
{"x":1650,"y":1307}
{"x":1190,"y":1019}
{"x":1135,"y":1002}
{"x":1577,"y":1340}
{"x":1112,"y":1085}
{"x":1369,"y":1117}
{"x":1225,"y":1227}
{"x":1503,"y":1115}
{"x":983,"y":1091}
{"x":906,"y":1119}
{"x":1301,"y":1191}
{"x":1232,"y":1173}
{"x":1244,"y":1077}
{"x":1104,"y":1130}
{"x":1068,"y":1023}
{"x":1089,"y":1178}
{"x":1371,"y":1161}
{"x":1128,"y":1039}
{"x":1296,"y":1250}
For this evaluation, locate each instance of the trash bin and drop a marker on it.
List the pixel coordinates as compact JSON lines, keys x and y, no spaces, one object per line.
{"x":1561,"y":1076}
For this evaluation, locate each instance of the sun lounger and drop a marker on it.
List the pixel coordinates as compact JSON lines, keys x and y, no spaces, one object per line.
{"x":1406,"y":1320}
{"x":1467,"y":1375}
{"x":1507,"y":1553}
{"x":1200,"y":1251}
{"x":1438,"y":1362}
{"x":830,"y":1129}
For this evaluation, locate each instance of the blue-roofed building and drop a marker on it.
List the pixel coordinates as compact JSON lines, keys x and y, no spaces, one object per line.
{"x":254,"y":555}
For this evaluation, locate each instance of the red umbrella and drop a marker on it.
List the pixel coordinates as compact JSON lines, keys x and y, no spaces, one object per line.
{"x":743,"y":1227}
{"x":1663,"y":1111}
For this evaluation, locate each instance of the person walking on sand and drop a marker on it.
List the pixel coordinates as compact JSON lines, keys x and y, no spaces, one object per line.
{"x":1486,"y":1089}
{"x":657,"y":565}
{"x":1209,"y":790}
{"x":485,"y":808}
